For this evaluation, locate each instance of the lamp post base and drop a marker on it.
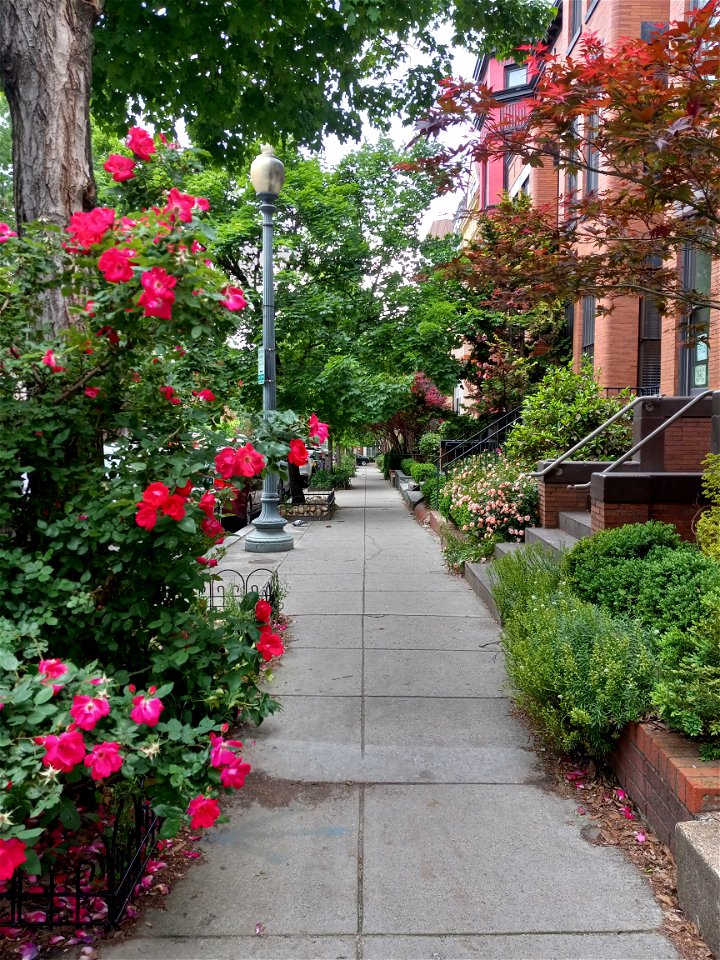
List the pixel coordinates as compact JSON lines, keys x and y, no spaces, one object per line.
{"x":274,"y":540}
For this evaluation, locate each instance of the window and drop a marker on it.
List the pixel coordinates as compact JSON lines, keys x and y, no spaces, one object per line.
{"x":574,"y":19}
{"x":515,"y":76}
{"x":649,"y":333}
{"x":589,"y":309}
{"x":571,"y":175}
{"x":697,"y":265}
{"x":569,"y":313}
{"x":592,"y":155}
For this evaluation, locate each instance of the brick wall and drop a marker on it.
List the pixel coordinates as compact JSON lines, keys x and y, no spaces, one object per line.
{"x":665,"y":778}
{"x":556,"y":498}
{"x":683,"y":516}
{"x":687,"y":443}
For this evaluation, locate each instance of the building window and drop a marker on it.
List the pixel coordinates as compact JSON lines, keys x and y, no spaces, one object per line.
{"x":574,"y":19}
{"x":592,"y":6}
{"x":569,"y":313}
{"x":515,"y":76}
{"x":592,"y":155}
{"x":649,"y":334}
{"x":571,"y":174}
{"x":697,"y":267}
{"x":589,"y":309}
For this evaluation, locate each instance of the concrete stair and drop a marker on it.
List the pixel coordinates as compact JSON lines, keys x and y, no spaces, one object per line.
{"x":573,"y":527}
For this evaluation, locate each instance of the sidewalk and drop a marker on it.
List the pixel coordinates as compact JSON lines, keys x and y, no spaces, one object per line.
{"x":396,"y":809}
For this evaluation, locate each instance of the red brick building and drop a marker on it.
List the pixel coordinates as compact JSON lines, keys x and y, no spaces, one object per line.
{"x":632,"y":345}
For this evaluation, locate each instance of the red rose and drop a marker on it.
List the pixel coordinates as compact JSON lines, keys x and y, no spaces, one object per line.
{"x":298,"y":453}
{"x":122,"y":168}
{"x":174,"y":507}
{"x":115,"y":264}
{"x":203,"y":812}
{"x":140,"y":142}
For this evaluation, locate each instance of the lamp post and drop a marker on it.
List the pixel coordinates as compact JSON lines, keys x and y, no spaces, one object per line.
{"x":268,"y":175}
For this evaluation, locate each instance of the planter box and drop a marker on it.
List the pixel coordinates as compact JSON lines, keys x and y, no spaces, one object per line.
{"x":665,"y":777}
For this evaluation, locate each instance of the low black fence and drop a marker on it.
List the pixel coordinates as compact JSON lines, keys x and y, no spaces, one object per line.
{"x":231,"y":585}
{"x":94,"y":889}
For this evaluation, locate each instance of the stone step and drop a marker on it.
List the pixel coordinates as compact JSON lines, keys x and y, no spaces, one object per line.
{"x":577,"y":523}
{"x":503,"y":549}
{"x":557,"y":540}
{"x":478,"y":576}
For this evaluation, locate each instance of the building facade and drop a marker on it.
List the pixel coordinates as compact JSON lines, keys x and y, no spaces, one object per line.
{"x":629,"y":341}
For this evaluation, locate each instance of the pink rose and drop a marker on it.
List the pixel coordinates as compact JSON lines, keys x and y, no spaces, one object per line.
{"x":146,"y":516}
{"x":298,"y":453}
{"x":179,"y":205}
{"x":317,"y":430}
{"x":116,"y":264}
{"x":50,"y":361}
{"x":12,"y":855}
{"x":270,"y":644}
{"x":174,"y":507}
{"x":92,"y":392}
{"x":220,"y":755}
{"x":206,"y":395}
{"x":233,"y":775}
{"x":89,"y":228}
{"x":203,"y":812}
{"x":146,"y":710}
{"x":140,"y":142}
{"x":5,"y":234}
{"x":86,"y":711}
{"x":63,"y":753}
{"x":263,"y":611}
{"x":241,"y":462}
{"x":104,"y":760}
{"x":52,"y":669}
{"x":156,"y":494}
{"x":122,"y":168}
{"x":234,"y":298}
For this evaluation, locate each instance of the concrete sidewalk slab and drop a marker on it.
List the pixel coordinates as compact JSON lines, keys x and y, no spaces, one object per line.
{"x":235,"y":948}
{"x":287,"y":860}
{"x":422,"y":673}
{"x":343,"y":601}
{"x":582,"y":946}
{"x":464,"y":603}
{"x":307,"y":671}
{"x":479,"y":859}
{"x":430,"y":633}
{"x":326,"y":630}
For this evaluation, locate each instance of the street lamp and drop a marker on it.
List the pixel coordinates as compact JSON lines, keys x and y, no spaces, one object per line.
{"x":268,"y":175}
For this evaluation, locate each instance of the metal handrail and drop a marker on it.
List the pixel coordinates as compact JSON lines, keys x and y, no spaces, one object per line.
{"x":478,"y":441}
{"x":591,"y":436}
{"x":651,"y":436}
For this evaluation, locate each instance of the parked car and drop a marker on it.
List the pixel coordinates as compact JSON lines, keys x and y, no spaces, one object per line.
{"x":362,"y":461}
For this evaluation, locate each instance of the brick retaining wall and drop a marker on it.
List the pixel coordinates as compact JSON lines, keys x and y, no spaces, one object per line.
{"x":665,"y":777}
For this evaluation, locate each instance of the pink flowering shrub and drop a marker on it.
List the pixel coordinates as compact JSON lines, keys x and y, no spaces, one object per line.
{"x":489,"y":497}
{"x":113,"y":469}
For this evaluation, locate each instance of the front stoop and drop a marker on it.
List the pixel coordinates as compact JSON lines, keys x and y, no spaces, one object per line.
{"x":697,"y":852}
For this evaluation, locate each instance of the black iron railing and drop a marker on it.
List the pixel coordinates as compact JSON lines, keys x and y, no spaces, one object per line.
{"x":491,"y":436}
{"x":88,"y":892}
{"x":233,"y":584}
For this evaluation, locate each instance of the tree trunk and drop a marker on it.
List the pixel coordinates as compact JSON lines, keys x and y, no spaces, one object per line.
{"x":46,"y":51}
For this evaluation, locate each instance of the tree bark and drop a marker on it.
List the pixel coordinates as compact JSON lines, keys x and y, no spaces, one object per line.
{"x":46,"y":49}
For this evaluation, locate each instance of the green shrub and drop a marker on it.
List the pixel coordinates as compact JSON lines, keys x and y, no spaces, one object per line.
{"x":348,"y":463}
{"x":579,"y":673}
{"x":521,"y":579}
{"x":604,"y":569}
{"x":429,"y":446}
{"x":707,"y":528}
{"x":406,"y":465}
{"x":423,"y":471}
{"x":687,"y":695}
{"x":672,"y":586}
{"x":337,"y":479}
{"x":565,"y":408}
{"x":380,"y":462}
{"x":457,"y":552}
{"x":429,"y":489}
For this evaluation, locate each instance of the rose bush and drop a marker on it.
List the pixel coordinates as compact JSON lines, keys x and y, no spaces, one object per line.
{"x":491,"y":498}
{"x":112,"y":475}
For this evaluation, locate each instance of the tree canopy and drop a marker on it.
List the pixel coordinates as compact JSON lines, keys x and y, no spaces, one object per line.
{"x":239,"y":70}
